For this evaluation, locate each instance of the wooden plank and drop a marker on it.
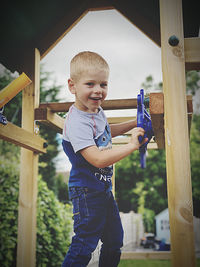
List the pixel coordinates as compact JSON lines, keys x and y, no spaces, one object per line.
{"x":49,"y":118}
{"x":113,"y":104}
{"x":26,"y":243}
{"x":156,"y":105}
{"x":107,"y":105}
{"x":13,"y":88}
{"x":176,"y":136}
{"x":21,"y":137}
{"x":126,"y":140}
{"x":53,"y":120}
{"x":192,"y":53}
{"x":156,"y":108}
{"x":113,"y":120}
{"x":153,"y":255}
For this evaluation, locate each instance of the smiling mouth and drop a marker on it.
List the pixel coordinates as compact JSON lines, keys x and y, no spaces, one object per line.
{"x":95,"y":98}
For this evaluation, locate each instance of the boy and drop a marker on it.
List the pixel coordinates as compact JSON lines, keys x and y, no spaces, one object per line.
{"x":87,"y":141}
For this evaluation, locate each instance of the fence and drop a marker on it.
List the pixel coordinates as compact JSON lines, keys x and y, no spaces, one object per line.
{"x":133,"y":232}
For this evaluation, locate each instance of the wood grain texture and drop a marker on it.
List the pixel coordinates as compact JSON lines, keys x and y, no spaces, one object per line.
{"x":176,"y":136}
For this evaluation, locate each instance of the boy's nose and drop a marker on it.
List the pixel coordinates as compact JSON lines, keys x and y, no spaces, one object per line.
{"x":97,"y":89}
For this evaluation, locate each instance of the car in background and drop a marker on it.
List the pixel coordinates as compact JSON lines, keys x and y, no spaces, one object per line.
{"x":148,"y":241}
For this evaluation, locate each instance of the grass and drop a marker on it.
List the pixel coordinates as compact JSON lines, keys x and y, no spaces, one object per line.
{"x":148,"y":263}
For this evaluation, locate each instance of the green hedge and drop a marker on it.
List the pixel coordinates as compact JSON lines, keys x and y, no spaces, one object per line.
{"x":54,"y":225}
{"x":54,"y":222}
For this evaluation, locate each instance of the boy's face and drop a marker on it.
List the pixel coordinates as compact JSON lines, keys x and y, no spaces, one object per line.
{"x":90,"y":90}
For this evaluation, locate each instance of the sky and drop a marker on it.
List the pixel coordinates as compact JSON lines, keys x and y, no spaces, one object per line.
{"x":131,"y":55}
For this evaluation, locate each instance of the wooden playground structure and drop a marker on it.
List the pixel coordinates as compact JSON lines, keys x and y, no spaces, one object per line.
{"x":170,"y":111}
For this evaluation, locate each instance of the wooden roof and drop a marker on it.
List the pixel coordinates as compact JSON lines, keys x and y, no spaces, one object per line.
{"x":25,"y":25}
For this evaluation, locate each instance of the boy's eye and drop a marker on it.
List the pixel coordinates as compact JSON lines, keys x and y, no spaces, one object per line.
{"x":103,"y":85}
{"x":90,"y":84}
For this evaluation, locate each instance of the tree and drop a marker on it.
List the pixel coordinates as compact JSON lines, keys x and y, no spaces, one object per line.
{"x":192,"y":81}
{"x":145,"y":191}
{"x":54,"y":224}
{"x":150,"y":86}
{"x":195,"y":163}
{"x":53,"y":218}
{"x":48,"y":92}
{"x":138,"y":188}
{"x":193,"y":87}
{"x":12,"y":109}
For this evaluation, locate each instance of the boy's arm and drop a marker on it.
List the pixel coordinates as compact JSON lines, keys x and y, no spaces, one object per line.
{"x":105,"y":158}
{"x":121,"y":128}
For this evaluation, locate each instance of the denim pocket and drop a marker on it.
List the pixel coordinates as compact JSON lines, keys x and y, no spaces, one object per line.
{"x":76,"y":211}
{"x":80,"y":207}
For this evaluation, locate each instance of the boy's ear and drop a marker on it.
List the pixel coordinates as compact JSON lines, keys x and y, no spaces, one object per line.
{"x":71,"y":86}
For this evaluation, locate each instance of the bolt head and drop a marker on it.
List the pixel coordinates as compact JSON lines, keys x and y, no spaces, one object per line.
{"x":45,"y":145}
{"x":173,"y":40}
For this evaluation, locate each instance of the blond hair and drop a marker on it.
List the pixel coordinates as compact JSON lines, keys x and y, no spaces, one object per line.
{"x":86,"y":61}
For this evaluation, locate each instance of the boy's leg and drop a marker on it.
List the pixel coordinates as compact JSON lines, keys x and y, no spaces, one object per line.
{"x":89,"y":211}
{"x":112,"y":237}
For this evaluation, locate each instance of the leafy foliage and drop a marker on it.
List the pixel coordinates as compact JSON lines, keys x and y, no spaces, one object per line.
{"x":9,"y":188}
{"x":12,"y":109}
{"x":53,"y":238}
{"x":195,"y":162}
{"x":145,"y":191}
{"x":192,"y":81}
{"x":142,"y":190}
{"x":54,"y":222}
{"x":48,"y":92}
{"x":149,"y":85}
{"x":53,"y":218}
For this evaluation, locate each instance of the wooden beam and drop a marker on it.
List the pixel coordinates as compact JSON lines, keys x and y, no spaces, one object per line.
{"x":53,"y":120}
{"x":107,"y":105}
{"x":113,"y":104}
{"x":13,"y":88}
{"x":26,"y":243}
{"x":156,"y":105}
{"x":49,"y":118}
{"x":113,"y":120}
{"x":21,"y":137}
{"x":192,"y":53}
{"x":176,"y":136}
{"x":156,"y":108}
{"x":156,"y":255}
{"x":126,"y":140}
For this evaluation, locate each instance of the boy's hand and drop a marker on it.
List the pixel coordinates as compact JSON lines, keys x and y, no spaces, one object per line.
{"x":136,"y":132}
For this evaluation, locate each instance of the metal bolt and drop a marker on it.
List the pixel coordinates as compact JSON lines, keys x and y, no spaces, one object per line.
{"x":45,"y":145}
{"x":173,"y":40}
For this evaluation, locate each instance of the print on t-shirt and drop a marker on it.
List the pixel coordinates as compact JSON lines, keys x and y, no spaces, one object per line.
{"x":104,"y":142}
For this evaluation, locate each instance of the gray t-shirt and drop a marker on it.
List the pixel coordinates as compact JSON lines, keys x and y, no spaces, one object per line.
{"x":81,"y":130}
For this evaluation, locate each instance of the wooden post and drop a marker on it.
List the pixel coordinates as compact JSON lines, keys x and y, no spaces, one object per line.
{"x":176,"y":136}
{"x":26,"y":249}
